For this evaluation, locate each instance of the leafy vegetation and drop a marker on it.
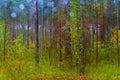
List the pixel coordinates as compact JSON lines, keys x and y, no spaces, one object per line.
{"x":59,"y":40}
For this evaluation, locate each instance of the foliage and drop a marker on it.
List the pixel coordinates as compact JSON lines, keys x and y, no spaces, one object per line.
{"x":75,"y":54}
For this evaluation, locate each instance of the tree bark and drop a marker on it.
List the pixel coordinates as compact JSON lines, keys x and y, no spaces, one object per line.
{"x":82,"y":70}
{"x":59,"y":32}
{"x":68,"y":35}
{"x":36,"y":32}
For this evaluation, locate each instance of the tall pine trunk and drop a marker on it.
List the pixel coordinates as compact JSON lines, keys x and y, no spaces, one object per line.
{"x":83,"y":37}
{"x":97,"y":36}
{"x":59,"y":32}
{"x":102,"y":37}
{"x":118,"y":34}
{"x":36,"y":32}
{"x":68,"y":34}
{"x":5,"y":30}
{"x":28,"y":25}
{"x":52,"y":26}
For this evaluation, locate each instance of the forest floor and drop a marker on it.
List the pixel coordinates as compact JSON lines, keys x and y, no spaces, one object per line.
{"x":22,"y":70}
{"x":20,"y":66}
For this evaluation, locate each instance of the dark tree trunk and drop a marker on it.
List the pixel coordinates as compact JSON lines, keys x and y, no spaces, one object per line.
{"x":13,"y":30}
{"x":118,"y":51}
{"x":43,"y":32}
{"x":102,"y":36}
{"x":83,"y":38}
{"x":59,"y":32}
{"x":36,"y":32}
{"x":97,"y":37}
{"x":5,"y":30}
{"x":28,"y":25}
{"x":52,"y":25}
{"x":87,"y":33}
{"x":68,"y":35}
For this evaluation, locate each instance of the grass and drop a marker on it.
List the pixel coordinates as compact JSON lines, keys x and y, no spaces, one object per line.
{"x":103,"y":72}
{"x":25,"y":70}
{"x":19,"y":65}
{"x":19,"y":70}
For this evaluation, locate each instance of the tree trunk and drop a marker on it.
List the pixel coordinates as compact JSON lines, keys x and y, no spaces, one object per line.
{"x":5,"y":30}
{"x":68,"y":35}
{"x":118,"y":34}
{"x":82,"y":70}
{"x":59,"y":32}
{"x":28,"y":25}
{"x":36,"y":32}
{"x":102,"y":37}
{"x":96,"y":36}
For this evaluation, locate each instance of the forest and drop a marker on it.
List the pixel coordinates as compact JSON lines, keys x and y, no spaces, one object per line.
{"x":59,"y":39}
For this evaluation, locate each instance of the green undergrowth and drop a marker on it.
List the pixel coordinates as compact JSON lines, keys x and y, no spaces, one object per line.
{"x":103,"y":72}
{"x":21,"y":70}
{"x":25,"y":70}
{"x":19,"y":65}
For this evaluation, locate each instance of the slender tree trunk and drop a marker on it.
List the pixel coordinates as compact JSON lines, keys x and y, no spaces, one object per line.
{"x":83,"y":44}
{"x":93,"y":28}
{"x":118,"y":34}
{"x":59,"y":32}
{"x":43,"y":32}
{"x":52,"y":25}
{"x":13,"y":30}
{"x":28,"y":25}
{"x":5,"y":30}
{"x":96,"y":36}
{"x":36,"y":32}
{"x":102,"y":37}
{"x":87,"y":36}
{"x":68,"y":34}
